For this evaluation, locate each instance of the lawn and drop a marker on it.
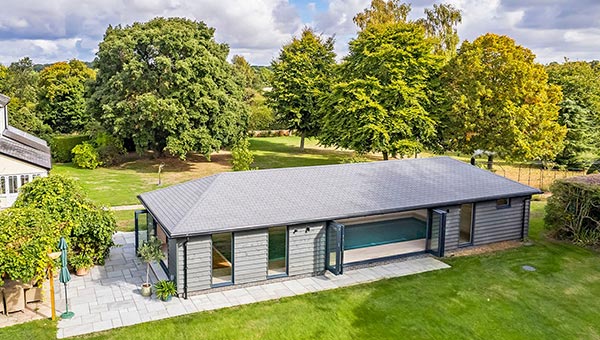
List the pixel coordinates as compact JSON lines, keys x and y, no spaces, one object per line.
{"x":119,"y":185}
{"x":125,"y":220}
{"x":484,"y":296}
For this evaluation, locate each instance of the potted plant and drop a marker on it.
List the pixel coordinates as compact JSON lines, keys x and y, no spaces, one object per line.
{"x":150,"y":252}
{"x":165,"y":289}
{"x":81,"y":263}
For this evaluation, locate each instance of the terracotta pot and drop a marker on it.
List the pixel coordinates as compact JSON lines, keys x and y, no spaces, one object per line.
{"x":146,"y":289}
{"x":82,"y":271}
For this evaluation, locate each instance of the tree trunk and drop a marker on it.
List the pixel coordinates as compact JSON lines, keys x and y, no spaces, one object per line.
{"x":302,"y":141}
{"x":385,"y":156}
{"x":490,"y":164}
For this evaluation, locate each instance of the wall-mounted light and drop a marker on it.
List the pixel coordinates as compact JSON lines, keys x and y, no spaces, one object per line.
{"x":307,"y":230}
{"x":295,"y":231}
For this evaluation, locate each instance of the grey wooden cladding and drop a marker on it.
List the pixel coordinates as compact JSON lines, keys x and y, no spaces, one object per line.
{"x":199,"y":262}
{"x":452,"y":227}
{"x":306,"y":248}
{"x":526,"y":215}
{"x":250,"y":255}
{"x":495,"y":225}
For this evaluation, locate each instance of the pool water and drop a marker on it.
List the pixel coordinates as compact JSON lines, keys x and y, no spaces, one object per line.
{"x":383,"y":232}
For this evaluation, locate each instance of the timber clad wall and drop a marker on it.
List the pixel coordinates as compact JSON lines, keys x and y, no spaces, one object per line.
{"x":199,"y":263}
{"x":495,"y":225}
{"x":251,"y":253}
{"x":452,"y":220}
{"x":306,"y":250}
{"x":527,"y":208}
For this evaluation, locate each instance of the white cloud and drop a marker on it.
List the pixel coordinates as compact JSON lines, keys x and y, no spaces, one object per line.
{"x":63,"y":29}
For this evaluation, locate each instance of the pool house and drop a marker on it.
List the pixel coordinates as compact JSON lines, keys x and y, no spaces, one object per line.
{"x":245,"y":227}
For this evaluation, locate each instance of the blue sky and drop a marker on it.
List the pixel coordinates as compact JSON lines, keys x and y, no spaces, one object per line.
{"x":49,"y":31}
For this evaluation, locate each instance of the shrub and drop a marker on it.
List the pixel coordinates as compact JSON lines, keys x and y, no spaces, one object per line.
{"x":242,"y":156}
{"x":62,"y":146}
{"x":26,"y":235}
{"x":87,"y":227}
{"x":165,"y":289}
{"x":109,"y":148}
{"x":85,"y":156}
{"x":573,"y":210}
{"x":81,"y":261}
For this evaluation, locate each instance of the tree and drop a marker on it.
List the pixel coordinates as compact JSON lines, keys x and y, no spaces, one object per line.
{"x":378,"y":103}
{"x":61,"y":95}
{"x":166,"y":85}
{"x":440,"y":23}
{"x":242,"y":157}
{"x":19,"y":81}
{"x":494,"y":97}
{"x":382,"y":12}
{"x":579,"y":111}
{"x":244,"y":71}
{"x":301,"y":74}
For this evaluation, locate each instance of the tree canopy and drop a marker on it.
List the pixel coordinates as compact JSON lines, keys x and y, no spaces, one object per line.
{"x":579,"y":111}
{"x":61,"y":95}
{"x":378,"y":103}
{"x":496,"y":98}
{"x":167,"y":86}
{"x":301,"y":75}
{"x":19,"y":81}
{"x":382,"y":12}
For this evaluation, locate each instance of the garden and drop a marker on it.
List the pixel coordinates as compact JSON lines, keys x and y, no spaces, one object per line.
{"x":477,"y":298}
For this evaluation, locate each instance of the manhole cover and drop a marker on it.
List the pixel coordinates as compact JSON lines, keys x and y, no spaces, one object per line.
{"x":528,"y":268}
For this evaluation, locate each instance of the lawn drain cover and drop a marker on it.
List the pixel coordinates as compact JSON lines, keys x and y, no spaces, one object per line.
{"x":528,"y":268}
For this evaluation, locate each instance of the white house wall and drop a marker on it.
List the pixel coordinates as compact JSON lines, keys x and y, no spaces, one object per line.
{"x":11,"y":166}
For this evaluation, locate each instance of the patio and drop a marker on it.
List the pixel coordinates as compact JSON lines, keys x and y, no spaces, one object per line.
{"x":108,"y":297}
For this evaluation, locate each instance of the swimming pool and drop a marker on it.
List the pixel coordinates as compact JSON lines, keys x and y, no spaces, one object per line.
{"x":383,"y":232}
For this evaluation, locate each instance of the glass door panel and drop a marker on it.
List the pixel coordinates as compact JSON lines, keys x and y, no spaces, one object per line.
{"x":436,"y":232}
{"x":141,"y":227}
{"x":335,"y":248}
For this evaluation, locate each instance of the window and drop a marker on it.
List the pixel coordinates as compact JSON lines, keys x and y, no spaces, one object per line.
{"x":164,"y":245}
{"x":24,"y":179}
{"x":466,"y":224}
{"x":2,"y":185}
{"x":503,"y":203}
{"x":34,"y":176}
{"x":13,"y":186}
{"x":277,"y":252}
{"x":222,"y":259}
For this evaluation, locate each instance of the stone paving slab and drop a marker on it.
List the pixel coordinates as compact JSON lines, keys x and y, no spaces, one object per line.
{"x":109,"y":296}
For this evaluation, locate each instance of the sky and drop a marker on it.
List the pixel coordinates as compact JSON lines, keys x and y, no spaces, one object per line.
{"x":50,"y":31}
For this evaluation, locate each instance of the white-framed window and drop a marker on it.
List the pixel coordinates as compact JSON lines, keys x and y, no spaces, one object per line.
{"x":13,"y":184}
{"x":503,"y":203}
{"x":2,"y":185}
{"x":24,"y":179}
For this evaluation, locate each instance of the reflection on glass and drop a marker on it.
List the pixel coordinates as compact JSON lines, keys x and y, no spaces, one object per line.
{"x":222,"y":264}
{"x":164,"y":246}
{"x":277,"y":251}
{"x":465,"y":224}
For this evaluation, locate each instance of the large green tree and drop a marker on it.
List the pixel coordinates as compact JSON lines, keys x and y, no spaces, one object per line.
{"x":495,"y":97}
{"x":61,"y":95}
{"x":19,"y":81}
{"x":439,"y":22}
{"x":378,"y":104}
{"x":301,"y":75}
{"x":166,"y":85}
{"x":579,"y":110}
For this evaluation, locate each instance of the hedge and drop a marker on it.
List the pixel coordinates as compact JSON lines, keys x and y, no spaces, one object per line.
{"x":62,"y":145}
{"x":573,"y":210}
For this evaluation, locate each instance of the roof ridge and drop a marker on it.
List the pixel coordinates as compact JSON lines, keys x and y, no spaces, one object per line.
{"x":198,"y":201}
{"x":377,"y":162}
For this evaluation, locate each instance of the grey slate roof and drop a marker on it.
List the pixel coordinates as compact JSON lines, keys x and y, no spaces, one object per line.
{"x":251,"y":199}
{"x":25,"y":147}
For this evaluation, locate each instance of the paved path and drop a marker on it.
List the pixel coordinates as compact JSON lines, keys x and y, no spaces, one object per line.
{"x":127,"y":207}
{"x":109,"y":298}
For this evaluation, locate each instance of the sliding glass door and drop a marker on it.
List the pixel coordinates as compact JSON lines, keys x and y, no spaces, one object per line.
{"x":335,"y":248}
{"x":436,"y":232}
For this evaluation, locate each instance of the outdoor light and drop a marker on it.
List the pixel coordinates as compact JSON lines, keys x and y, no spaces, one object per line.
{"x":307,"y":230}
